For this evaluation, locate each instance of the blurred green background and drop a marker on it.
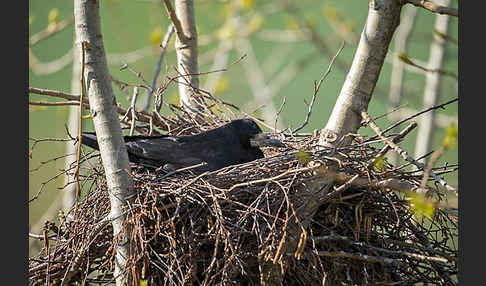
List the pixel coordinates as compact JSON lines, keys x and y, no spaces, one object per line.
{"x":129,"y":26}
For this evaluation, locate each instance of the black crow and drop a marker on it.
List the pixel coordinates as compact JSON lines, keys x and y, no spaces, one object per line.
{"x":234,"y":143}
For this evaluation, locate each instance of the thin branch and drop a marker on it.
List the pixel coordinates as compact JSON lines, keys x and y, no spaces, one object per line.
{"x":395,"y":140}
{"x":338,"y":190}
{"x":50,"y":30}
{"x":142,"y":116}
{"x":278,"y":113}
{"x":137,"y":74}
{"x":55,"y":93}
{"x":419,"y":113}
{"x":402,"y":152}
{"x":405,"y":58}
{"x":80,"y":126}
{"x":59,"y":103}
{"x":361,"y":257}
{"x":132,"y":108}
{"x":165,"y":42}
{"x":432,"y":7}
{"x":317,"y":87}
{"x":173,"y":17}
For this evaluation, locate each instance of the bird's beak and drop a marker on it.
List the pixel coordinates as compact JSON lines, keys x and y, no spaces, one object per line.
{"x":263,"y":140}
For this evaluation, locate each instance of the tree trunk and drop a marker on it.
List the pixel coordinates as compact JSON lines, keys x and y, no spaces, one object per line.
{"x":107,"y":126}
{"x":355,"y":95}
{"x":432,"y":84}
{"x":186,"y":50}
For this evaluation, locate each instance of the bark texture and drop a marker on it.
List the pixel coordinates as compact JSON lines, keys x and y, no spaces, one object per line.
{"x":107,"y":126}
{"x":186,"y":49}
{"x":383,"y":18}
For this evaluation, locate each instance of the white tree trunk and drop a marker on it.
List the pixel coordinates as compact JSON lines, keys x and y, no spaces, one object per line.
{"x":186,"y":50}
{"x":107,"y":126}
{"x":355,"y":95}
{"x":432,"y":83}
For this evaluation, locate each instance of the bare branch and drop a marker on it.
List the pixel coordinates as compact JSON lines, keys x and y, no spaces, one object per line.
{"x":434,"y":7}
{"x":419,"y":113}
{"x":163,"y":46}
{"x":132,"y":108}
{"x":174,"y":19}
{"x":316,"y":89}
{"x":47,"y":103}
{"x":402,"y":152}
{"x":51,"y":30}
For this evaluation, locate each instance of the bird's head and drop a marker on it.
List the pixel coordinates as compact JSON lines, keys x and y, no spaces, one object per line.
{"x":249,"y":131}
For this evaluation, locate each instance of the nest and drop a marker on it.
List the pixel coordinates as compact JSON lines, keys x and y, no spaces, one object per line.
{"x":277,"y":220}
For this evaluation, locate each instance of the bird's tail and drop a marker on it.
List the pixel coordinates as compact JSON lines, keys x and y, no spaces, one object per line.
{"x":89,"y":139}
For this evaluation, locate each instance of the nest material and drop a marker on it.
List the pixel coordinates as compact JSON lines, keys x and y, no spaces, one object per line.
{"x":259,"y":222}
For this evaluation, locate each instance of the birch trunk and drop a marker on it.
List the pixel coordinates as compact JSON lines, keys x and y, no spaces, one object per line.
{"x":383,"y":18}
{"x":107,"y":126}
{"x":186,"y":50}
{"x":432,"y":84}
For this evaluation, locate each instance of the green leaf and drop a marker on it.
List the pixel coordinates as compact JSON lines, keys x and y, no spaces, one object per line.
{"x":420,"y":205}
{"x":53,"y":16}
{"x":404,"y":58}
{"x":450,"y":139}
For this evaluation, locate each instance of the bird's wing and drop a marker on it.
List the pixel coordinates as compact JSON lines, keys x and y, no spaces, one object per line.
{"x":160,"y":150}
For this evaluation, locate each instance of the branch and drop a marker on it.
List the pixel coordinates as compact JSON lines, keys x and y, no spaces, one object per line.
{"x":361,"y":257}
{"x":175,"y":20}
{"x":395,"y":140}
{"x":84,"y":44}
{"x":432,"y":7}
{"x":141,"y":116}
{"x":317,"y":87}
{"x":132,"y":108}
{"x":164,"y":45}
{"x":50,"y":30}
{"x":405,"y":59}
{"x":419,"y":113}
{"x":47,"y":103}
{"x":402,"y":152}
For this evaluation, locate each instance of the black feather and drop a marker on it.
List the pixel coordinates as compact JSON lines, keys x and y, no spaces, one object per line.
{"x":220,"y":147}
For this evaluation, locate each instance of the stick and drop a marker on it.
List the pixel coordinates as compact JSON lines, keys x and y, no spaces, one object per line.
{"x":432,"y":7}
{"x":316,"y":89}
{"x":419,"y":113}
{"x":164,"y":45}
{"x":402,"y":152}
{"x":132,"y":106}
{"x":80,"y":128}
{"x":175,"y":20}
{"x":395,"y":140}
